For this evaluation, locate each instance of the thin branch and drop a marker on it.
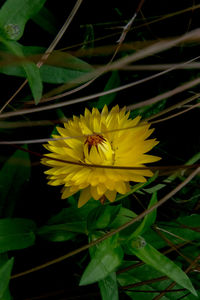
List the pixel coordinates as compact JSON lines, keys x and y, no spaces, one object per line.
{"x":177,"y":105}
{"x":177,"y":114}
{"x":127,"y":27}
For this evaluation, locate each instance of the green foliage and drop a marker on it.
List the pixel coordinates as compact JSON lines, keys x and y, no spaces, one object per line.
{"x":5,"y":271}
{"x":148,"y":220}
{"x":102,"y":217}
{"x":59,"y":233}
{"x":179,"y":231}
{"x":112,"y":83}
{"x":138,"y":280}
{"x":16,"y":233}
{"x":68,"y":223}
{"x":15,"y":13}
{"x":70,"y":68}
{"x":109,"y":288}
{"x":13,"y":176}
{"x":160,"y":262}
{"x":31,"y":70}
{"x":106,"y":257}
{"x":46,"y":20}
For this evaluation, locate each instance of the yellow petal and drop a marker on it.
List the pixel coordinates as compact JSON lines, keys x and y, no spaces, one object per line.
{"x":110,"y":195}
{"x":94,"y":193}
{"x":84,"y":197}
{"x":67,"y":193}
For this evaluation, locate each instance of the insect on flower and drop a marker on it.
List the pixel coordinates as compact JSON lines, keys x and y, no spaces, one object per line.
{"x":106,"y":139}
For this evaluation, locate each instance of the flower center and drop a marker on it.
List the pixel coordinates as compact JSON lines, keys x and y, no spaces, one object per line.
{"x":94,"y":140}
{"x":97,"y":150}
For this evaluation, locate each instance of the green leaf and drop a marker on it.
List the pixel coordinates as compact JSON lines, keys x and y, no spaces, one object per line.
{"x":5,"y":271}
{"x":59,"y":68}
{"x":15,"y":13}
{"x":109,"y":287}
{"x":6,"y":295}
{"x":67,"y":223}
{"x":16,"y":234}
{"x":134,"y":274}
{"x":32,"y":72}
{"x":102,"y":216}
{"x":114,"y":81}
{"x":13,"y":175}
{"x":46,"y":20}
{"x":155,"y":259}
{"x":73,"y":214}
{"x":105,"y":259}
{"x":124,"y":216}
{"x":75,"y":226}
{"x":175,"y":232}
{"x":148,"y":219}
{"x":56,"y":233}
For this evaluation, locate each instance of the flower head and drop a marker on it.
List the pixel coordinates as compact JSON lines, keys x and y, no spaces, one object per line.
{"x":104,"y":139}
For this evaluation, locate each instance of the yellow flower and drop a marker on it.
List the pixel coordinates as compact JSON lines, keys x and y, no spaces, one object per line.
{"x":106,"y":138}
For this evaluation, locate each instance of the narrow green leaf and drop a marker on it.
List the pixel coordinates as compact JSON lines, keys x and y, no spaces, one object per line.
{"x":56,"y":233}
{"x":105,"y":259}
{"x":148,"y":219}
{"x":5,"y":271}
{"x":76,"y":226}
{"x":46,"y":20}
{"x":31,"y":70}
{"x":140,"y":274}
{"x":15,"y":13}
{"x":175,"y":231}
{"x":109,"y":287}
{"x":13,"y":175}
{"x":16,"y":234}
{"x":113,"y":82}
{"x":155,"y":259}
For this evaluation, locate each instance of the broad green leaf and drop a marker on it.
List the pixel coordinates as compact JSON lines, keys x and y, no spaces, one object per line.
{"x":158,"y":261}
{"x":32,"y":72}
{"x":148,"y":219}
{"x":5,"y":271}
{"x":60,"y":67}
{"x":105,"y":259}
{"x":109,"y":288}
{"x":56,"y":233}
{"x":15,"y":13}
{"x":113,"y":82}
{"x":102,"y":216}
{"x":16,"y":234}
{"x":13,"y":176}
{"x":6,"y":295}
